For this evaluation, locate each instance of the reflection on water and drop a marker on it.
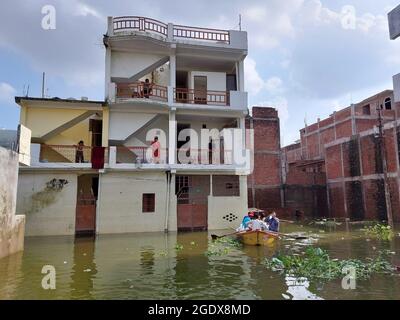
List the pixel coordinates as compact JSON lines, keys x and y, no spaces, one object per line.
{"x":176,"y":266}
{"x":298,"y":289}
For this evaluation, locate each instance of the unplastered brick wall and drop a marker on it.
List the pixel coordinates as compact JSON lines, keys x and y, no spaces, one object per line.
{"x":265,"y":183}
{"x":355,"y":175}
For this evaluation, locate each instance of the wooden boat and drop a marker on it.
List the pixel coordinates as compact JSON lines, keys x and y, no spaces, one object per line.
{"x":257,"y":238}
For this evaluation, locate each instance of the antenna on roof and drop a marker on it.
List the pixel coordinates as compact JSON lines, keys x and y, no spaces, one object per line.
{"x":240,"y":22}
{"x":43,"y":82}
{"x":27,"y":91}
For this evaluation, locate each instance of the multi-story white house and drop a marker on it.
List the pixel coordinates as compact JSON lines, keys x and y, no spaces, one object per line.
{"x":183,"y":85}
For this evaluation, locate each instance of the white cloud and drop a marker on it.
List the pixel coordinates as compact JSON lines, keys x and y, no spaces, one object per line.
{"x":82,"y":9}
{"x":253,"y":82}
{"x":274,"y":85}
{"x":7,"y":92}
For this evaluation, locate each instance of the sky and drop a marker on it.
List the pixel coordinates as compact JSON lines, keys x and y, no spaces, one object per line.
{"x":307,"y":58}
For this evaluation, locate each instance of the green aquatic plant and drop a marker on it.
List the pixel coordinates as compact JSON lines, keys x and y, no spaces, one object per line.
{"x":316,"y":263}
{"x":222,"y":246}
{"x":178,"y":247}
{"x":380,"y":231}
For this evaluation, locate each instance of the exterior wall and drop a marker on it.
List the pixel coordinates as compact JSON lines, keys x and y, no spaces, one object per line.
{"x":11,"y":226}
{"x":355,"y":180}
{"x":73,"y":135}
{"x":120,"y":202}
{"x":48,"y":211}
{"x":54,"y":118}
{"x":220,"y":207}
{"x":265,"y":183}
{"x":123,"y":124}
{"x":215,"y":80}
{"x":127,"y":64}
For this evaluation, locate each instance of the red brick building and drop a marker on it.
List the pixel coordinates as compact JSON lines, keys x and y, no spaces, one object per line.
{"x":265,"y":183}
{"x":348,"y":150}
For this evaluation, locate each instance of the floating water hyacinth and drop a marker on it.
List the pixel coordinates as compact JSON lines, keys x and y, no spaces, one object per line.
{"x":315,"y":263}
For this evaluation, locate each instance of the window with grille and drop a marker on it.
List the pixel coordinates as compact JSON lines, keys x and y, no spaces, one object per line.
{"x":148,"y":202}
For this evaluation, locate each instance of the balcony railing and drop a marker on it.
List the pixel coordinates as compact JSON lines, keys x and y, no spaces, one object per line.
{"x":201,"y":33}
{"x":71,"y":154}
{"x":139,"y":24}
{"x":142,"y":90}
{"x":183,"y":95}
{"x":204,"y":156}
{"x":140,"y":155}
{"x":127,"y":23}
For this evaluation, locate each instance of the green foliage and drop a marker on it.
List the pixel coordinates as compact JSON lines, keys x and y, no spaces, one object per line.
{"x":178,"y":247}
{"x":222,"y":246}
{"x":315,"y":263}
{"x":379,"y":231}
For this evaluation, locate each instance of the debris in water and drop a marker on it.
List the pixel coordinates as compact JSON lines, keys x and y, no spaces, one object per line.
{"x":87,"y":270}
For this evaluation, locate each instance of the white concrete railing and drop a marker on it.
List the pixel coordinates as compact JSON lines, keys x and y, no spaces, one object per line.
{"x":171,"y":31}
{"x":170,"y":95}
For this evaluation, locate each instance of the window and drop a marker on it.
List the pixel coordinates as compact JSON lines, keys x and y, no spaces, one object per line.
{"x":226,"y":186}
{"x":148,"y":202}
{"x":388,"y":104}
{"x":366,"y":110}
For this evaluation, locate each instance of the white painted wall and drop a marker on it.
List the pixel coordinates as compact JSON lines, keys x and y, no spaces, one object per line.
{"x":121,"y":202}
{"x":47,"y":213}
{"x":127,"y":64}
{"x":123,"y":124}
{"x":215,"y":80}
{"x":218,"y":207}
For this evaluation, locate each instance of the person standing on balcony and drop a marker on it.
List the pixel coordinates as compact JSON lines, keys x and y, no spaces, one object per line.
{"x":147,"y":88}
{"x":156,"y":148}
{"x":79,"y":152}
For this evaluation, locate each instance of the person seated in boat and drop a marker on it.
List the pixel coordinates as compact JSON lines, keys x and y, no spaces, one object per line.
{"x":258,"y":224}
{"x":245,"y":222}
{"x":272,"y":222}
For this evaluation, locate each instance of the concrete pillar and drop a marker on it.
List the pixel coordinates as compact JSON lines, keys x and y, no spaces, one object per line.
{"x":240,"y":75}
{"x":172,"y":70}
{"x":107,"y":74}
{"x":106,"y":125}
{"x":172,"y":137}
{"x":353,"y":120}
{"x":170,"y":32}
{"x":110,"y":26}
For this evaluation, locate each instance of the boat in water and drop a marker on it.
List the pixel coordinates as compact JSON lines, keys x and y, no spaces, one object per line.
{"x":257,"y":238}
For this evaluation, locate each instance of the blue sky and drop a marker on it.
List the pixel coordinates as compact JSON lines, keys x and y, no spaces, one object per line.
{"x":307,"y":58}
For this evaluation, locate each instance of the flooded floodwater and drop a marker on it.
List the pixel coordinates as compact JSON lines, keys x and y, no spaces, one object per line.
{"x":177,"y":266}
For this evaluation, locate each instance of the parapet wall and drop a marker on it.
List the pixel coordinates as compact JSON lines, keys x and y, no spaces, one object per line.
{"x":12,"y":227}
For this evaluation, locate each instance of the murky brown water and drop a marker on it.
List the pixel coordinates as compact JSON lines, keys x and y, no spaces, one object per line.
{"x":175,"y":266}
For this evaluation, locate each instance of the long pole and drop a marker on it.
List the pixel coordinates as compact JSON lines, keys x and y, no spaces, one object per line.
{"x":43,"y":83}
{"x":389,"y":212}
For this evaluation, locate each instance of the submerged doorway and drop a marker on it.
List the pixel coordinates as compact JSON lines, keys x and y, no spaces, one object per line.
{"x":85,"y":219}
{"x":192,"y":202}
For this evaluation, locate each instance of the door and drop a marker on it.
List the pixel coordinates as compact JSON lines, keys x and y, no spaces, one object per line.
{"x":85,"y":219}
{"x":200,"y":89}
{"x":192,"y":208}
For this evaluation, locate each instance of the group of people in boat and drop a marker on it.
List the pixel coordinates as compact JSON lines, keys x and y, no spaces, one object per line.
{"x":257,"y":221}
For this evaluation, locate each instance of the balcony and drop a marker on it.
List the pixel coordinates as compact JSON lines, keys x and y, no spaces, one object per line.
{"x":191,"y":96}
{"x":141,"y":158}
{"x":68,"y":156}
{"x":169,"y":31}
{"x":148,"y":93}
{"x":141,"y":90}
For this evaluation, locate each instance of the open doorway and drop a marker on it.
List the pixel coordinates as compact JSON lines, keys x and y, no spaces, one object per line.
{"x":200,"y":89}
{"x":88,"y":192}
